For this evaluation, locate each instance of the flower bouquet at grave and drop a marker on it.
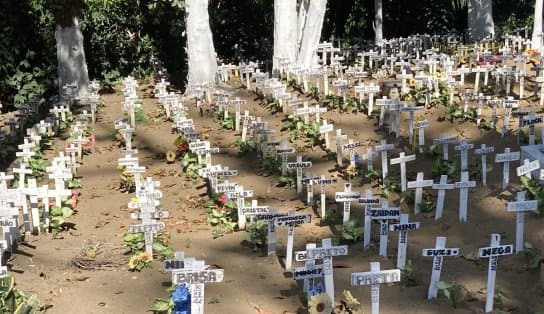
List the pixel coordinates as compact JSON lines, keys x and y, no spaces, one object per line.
{"x":135,"y":242}
{"x":127,"y":183}
{"x":13,"y":300}
{"x":222,"y":214}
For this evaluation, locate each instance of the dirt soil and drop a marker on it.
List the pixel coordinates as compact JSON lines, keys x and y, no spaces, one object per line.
{"x":255,"y":283}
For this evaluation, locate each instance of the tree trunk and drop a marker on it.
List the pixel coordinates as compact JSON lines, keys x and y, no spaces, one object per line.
{"x":480,"y":19}
{"x":307,"y":57}
{"x":285,"y":31}
{"x":536,"y":40}
{"x":301,"y":22}
{"x":72,"y":67}
{"x":200,"y":49}
{"x":378,"y":21}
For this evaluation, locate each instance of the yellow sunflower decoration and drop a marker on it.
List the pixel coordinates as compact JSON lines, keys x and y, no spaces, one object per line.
{"x":351,"y":302}
{"x":320,"y":303}
{"x":170,"y":156}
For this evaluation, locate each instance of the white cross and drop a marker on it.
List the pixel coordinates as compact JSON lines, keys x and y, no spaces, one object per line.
{"x":325,"y":129}
{"x":339,"y":138}
{"x":291,"y":221}
{"x":346,"y":197}
{"x":444,"y":141}
{"x":402,"y":160}
{"x":375,"y":277}
{"x":438,"y":253}
{"x":493,"y":252}
{"x":382,"y":148}
{"x":403,"y":227}
{"x":520,"y":206}
{"x":463,"y":187}
{"x":368,"y":202}
{"x":484,"y":150}
{"x":506,"y":158}
{"x":442,"y":186}
{"x":419,"y":184}
{"x":463,"y":147}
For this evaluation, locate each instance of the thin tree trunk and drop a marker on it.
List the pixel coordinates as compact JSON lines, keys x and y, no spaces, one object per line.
{"x":536,"y":40}
{"x":311,"y":35}
{"x":200,"y":49}
{"x":480,"y":19}
{"x":72,"y":66}
{"x":378,"y":21}
{"x":285,"y":31}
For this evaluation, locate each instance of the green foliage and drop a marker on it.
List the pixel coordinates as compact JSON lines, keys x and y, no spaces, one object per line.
{"x":13,"y":300}
{"x":257,"y":232}
{"x":57,"y":217}
{"x":274,"y":106}
{"x":191,"y":166}
{"x":161,"y":306}
{"x":452,"y":291}
{"x":441,"y":166}
{"x":272,"y":163}
{"x":534,"y":189}
{"x":532,"y":256}
{"x":244,"y":147}
{"x":135,"y":242}
{"x":408,"y":275}
{"x":432,"y":150}
{"x":289,"y":180}
{"x":227,"y":124}
{"x":139,"y":115}
{"x":352,"y":231}
{"x":222,"y":214}
{"x":332,"y":218}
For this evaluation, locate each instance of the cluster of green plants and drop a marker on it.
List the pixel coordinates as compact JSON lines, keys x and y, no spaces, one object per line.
{"x":442,"y":166}
{"x":222,"y":214}
{"x":191,"y":166}
{"x":335,"y":102}
{"x":452,"y":291}
{"x":13,"y":300}
{"x":288,"y":180}
{"x":274,"y":106}
{"x":135,"y":242}
{"x":532,"y":256}
{"x":57,"y":216}
{"x":256,"y":233}
{"x":351,"y":231}
{"x":244,"y":147}
{"x":408,"y":275}
{"x":297,"y":129}
{"x":272,"y":163}
{"x":534,"y":189}
{"x":427,"y":200}
{"x":139,"y":116}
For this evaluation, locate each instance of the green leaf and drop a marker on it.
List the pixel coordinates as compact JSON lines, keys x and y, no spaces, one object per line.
{"x":162,"y":305}
{"x":67,"y":212}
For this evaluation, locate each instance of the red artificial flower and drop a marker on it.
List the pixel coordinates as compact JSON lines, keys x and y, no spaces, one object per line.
{"x":222,"y":199}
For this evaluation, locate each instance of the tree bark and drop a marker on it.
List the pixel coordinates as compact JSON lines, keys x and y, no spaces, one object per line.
{"x":378,"y":21}
{"x":285,"y":31}
{"x":536,"y":39}
{"x":307,"y":57}
{"x":72,"y":66}
{"x":480,"y":19}
{"x":200,"y":49}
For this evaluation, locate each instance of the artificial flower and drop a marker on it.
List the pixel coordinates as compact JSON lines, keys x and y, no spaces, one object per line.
{"x":320,"y":303}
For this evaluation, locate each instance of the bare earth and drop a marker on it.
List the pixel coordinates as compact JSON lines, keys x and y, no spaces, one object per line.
{"x":254,"y":283}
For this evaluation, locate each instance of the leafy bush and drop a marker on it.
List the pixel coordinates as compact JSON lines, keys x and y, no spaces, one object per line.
{"x":257,"y":232}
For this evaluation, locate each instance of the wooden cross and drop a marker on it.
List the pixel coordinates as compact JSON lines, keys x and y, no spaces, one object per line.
{"x":350,"y":146}
{"x":527,"y":168}
{"x":444,"y":141}
{"x":346,"y":197}
{"x":309,"y":272}
{"x":463,"y":187}
{"x":506,"y":158}
{"x":240,"y":195}
{"x":438,"y":253}
{"x":271,"y":236}
{"x":484,"y":150}
{"x":402,"y":160}
{"x":493,"y":252}
{"x":325,"y":129}
{"x":520,"y":206}
{"x":403,"y":227}
{"x":375,"y":277}
{"x":419,"y":184}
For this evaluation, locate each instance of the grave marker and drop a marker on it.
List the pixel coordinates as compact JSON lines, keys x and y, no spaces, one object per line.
{"x":484,"y":150}
{"x":506,"y":158}
{"x":382,"y":148}
{"x":291,"y":221}
{"x":368,"y":201}
{"x":403,"y":227}
{"x":444,"y":141}
{"x":520,"y":206}
{"x":438,"y":253}
{"x":419,"y":184}
{"x":463,"y":187}
{"x":375,"y":277}
{"x":442,"y":186}
{"x":402,"y":160}
{"x":493,"y":252}
{"x":383,"y":214}
{"x":463,"y":147}
{"x":299,"y":165}
{"x":346,"y":197}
